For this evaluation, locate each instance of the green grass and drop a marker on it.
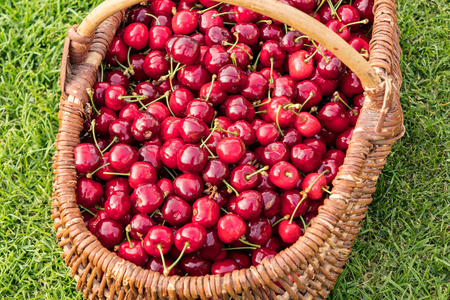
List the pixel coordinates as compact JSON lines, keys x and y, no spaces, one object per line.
{"x":403,"y":250}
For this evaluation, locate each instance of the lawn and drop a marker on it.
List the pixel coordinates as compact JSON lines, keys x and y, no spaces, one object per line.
{"x":403,"y":250}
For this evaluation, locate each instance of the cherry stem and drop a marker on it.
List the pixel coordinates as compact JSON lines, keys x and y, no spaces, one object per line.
{"x":207,"y":138}
{"x":90,"y":93}
{"x":155,"y":212}
{"x":159,"y":246}
{"x":255,"y":64}
{"x":230,"y":187}
{"x":223,"y":13}
{"x":239,"y":248}
{"x":233,"y":58}
{"x":319,"y":7}
{"x":211,"y":88}
{"x":133,"y":98}
{"x":154,"y":17}
{"x":89,"y":175}
{"x":229,"y":23}
{"x":257,"y":172}
{"x":305,"y":195}
{"x":271,"y":70}
{"x":325,"y":190}
{"x":209,"y":8}
{"x":127,"y":233}
{"x":337,"y":96}
{"x":304,"y":223}
{"x":225,"y":43}
{"x":333,"y":10}
{"x":308,"y":189}
{"x":311,"y":94}
{"x":300,"y":37}
{"x":115,"y":139}
{"x":168,"y":105}
{"x":118,"y":174}
{"x":365,"y":21}
{"x":86,"y":209}
{"x":224,"y":210}
{"x":280,"y":220}
{"x":320,"y":51}
{"x":261,"y":104}
{"x":268,"y":22}
{"x":210,"y":153}
{"x":244,"y":241}
{"x":261,"y":112}
{"x":276,"y":120}
{"x":99,"y":208}
{"x":170,"y":172}
{"x":220,"y":129}
{"x":167,"y":270}
{"x":156,"y":100}
{"x":94,"y":136}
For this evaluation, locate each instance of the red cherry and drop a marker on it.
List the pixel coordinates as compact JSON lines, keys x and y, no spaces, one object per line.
{"x":155,"y":65}
{"x":267,"y":133}
{"x":191,"y":159}
{"x":221,"y":267}
{"x":117,"y":184}
{"x":215,"y":58}
{"x":279,"y":111}
{"x":313,"y":185}
{"x":284,"y":175}
{"x":141,"y":173}
{"x":121,"y":130}
{"x":188,"y":186}
{"x":290,"y":200}
{"x":109,"y":232}
{"x":308,"y":93}
{"x":248,"y":33}
{"x":213,"y":246}
{"x":260,"y":254}
{"x":192,"y":130}
{"x":289,"y":231}
{"x":117,"y":52}
{"x":148,"y":197}
{"x":118,"y":205}
{"x":350,"y":85}
{"x":205,"y":212}
{"x":272,"y":203}
{"x":208,"y":20}
{"x":176,"y":211}
{"x":249,"y":205}
{"x":215,"y":172}
{"x":134,"y":252}
{"x":89,"y":192}
{"x":330,"y":165}
{"x":87,"y":158}
{"x":136,"y":36}
{"x":256,"y":87}
{"x":291,"y":137}
{"x":158,"y":237}
{"x":334,"y":117}
{"x":259,"y":231}
{"x":149,"y":90}
{"x":113,"y":97}
{"x":299,"y":67}
{"x":183,"y":49}
{"x":242,"y":259}
{"x":129,"y":112}
{"x":194,"y":76}
{"x":244,"y":177}
{"x":184,"y":22}
{"x":343,"y":139}
{"x":122,"y":156}
{"x":231,"y":79}
{"x":166,"y":186}
{"x":274,"y":153}
{"x":200,"y":109}
{"x":230,"y":228}
{"x":307,"y":124}
{"x":230,"y":150}
{"x":305,"y":158}
{"x":195,"y":265}
{"x":190,"y":237}
{"x":140,"y":225}
{"x":117,"y":77}
{"x":217,"y":36}
{"x":215,"y":95}
{"x":169,"y":152}
{"x":158,"y":37}
{"x":179,"y":100}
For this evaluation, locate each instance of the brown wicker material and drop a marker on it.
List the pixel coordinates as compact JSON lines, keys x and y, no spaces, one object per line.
{"x":313,"y":263}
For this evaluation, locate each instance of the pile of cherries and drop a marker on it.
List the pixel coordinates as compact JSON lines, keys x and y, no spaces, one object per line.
{"x":216,"y":132}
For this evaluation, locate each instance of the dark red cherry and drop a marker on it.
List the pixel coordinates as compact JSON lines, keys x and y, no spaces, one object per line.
{"x":220,"y":196}
{"x":305,"y":158}
{"x":289,"y":201}
{"x":156,"y":65}
{"x":129,"y":112}
{"x":212,"y":142}
{"x":134,"y":252}
{"x":106,"y":167}
{"x":147,"y":89}
{"x":179,"y":100}
{"x":231,"y":79}
{"x":289,"y":231}
{"x":293,"y":41}
{"x":205,"y":212}
{"x":272,"y":203}
{"x":259,"y":231}
{"x":114,"y":97}
{"x":162,"y":20}
{"x":365,"y":9}
{"x":336,"y":154}
{"x":184,"y":49}
{"x":109,"y":232}
{"x":244,"y":177}
{"x":343,"y":139}
{"x":158,"y":237}
{"x":190,"y":237}
{"x":291,"y":137}
{"x":148,"y":198}
{"x":353,"y":114}
{"x":87,"y":158}
{"x":122,"y":156}
{"x":272,"y":52}
{"x":307,"y":124}
{"x":215,"y":172}
{"x":317,"y":144}
{"x":239,"y":108}
{"x":213,"y":246}
{"x":166,"y":187}
{"x":348,"y":14}
{"x":267,"y":133}
{"x":155,"y":264}
{"x":273,"y":243}
{"x":215,"y":58}
{"x":217,"y":36}
{"x":270,"y":32}
{"x":284,"y":86}
{"x":117,"y":52}
{"x":215,"y":95}
{"x":230,"y":150}
{"x":140,"y":225}
{"x":230,"y":228}
{"x":117,"y":184}
{"x":141,"y":173}
{"x":308,"y":94}
{"x":284,"y":175}
{"x":334,"y":117}
{"x":195,"y":265}
{"x":158,"y":37}
{"x":248,"y":33}
{"x":256,"y":87}
{"x":274,"y":153}
{"x":176,"y":211}
{"x":140,"y":14}
{"x":242,"y":259}
{"x":339,"y":28}
{"x":118,"y":205}
{"x":117,"y":77}
{"x":194,"y":76}
{"x":300,"y":67}
{"x":306,"y":6}
{"x":328,"y":87}
{"x":332,"y":166}
{"x":224,"y":266}
{"x":193,"y":130}
{"x":150,"y":154}
{"x":89,"y":192}
{"x":191,"y":158}
{"x":313,"y":185}
{"x":249,"y":205}
{"x":208,"y":19}
{"x":242,"y":53}
{"x":136,"y":35}
{"x":170,"y":128}
{"x":260,"y":254}
{"x":188,"y":186}
{"x":279,"y":111}
{"x":331,"y":68}
{"x":244,"y":15}
{"x":137,"y":63}
{"x":99,"y":93}
{"x":169,"y":152}
{"x":121,"y":129}
{"x":200,"y":109}
{"x":184,"y":22}
{"x":350,"y":85}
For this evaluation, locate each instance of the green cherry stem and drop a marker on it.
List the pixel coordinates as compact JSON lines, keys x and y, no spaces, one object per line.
{"x":305,"y":195}
{"x":224,"y":210}
{"x":223,"y":13}
{"x":261,"y":112}
{"x":115,"y":139}
{"x":255,"y":64}
{"x":311,"y":94}
{"x":211,"y":88}
{"x":257,"y":172}
{"x":94,"y":136}
{"x":168,"y":105}
{"x":127,"y":233}
{"x":167,"y":270}
{"x":220,"y":129}
{"x":365,"y":21}
{"x":159,"y":246}
{"x":326,"y":191}
{"x":319,"y":7}
{"x":169,"y":171}
{"x":90,"y":93}
{"x":244,"y":241}
{"x":166,"y":94}
{"x":304,"y":223}
{"x":230,"y":187}
{"x":89,"y":175}
{"x":209,"y":8}
{"x":276,"y":120}
{"x":280,"y":220}
{"x":154,"y":17}
{"x":336,"y":95}
{"x":87,"y":210}
{"x":260,"y":104}
{"x":300,"y":37}
{"x":271,"y":70}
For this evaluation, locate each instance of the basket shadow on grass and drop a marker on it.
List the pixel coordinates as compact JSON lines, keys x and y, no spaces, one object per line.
{"x":403,"y":249}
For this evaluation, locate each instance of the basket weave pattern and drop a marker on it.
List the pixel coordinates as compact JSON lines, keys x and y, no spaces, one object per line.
{"x":306,"y":270}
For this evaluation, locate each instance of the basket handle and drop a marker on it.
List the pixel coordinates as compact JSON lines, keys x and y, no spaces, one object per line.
{"x":275,"y":10}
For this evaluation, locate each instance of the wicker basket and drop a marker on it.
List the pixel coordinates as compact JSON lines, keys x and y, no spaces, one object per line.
{"x":306,"y":270}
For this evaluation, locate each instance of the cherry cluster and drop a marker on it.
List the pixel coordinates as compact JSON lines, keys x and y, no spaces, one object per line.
{"x":216,"y":133}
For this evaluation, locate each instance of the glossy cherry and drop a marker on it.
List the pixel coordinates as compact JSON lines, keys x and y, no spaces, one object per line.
{"x":188,"y":186}
{"x":148,"y":197}
{"x":284,"y":175}
{"x":221,"y":267}
{"x":230,"y":150}
{"x":176,"y":211}
{"x":230,"y":228}
{"x":109,"y":232}
{"x":87,"y":158}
